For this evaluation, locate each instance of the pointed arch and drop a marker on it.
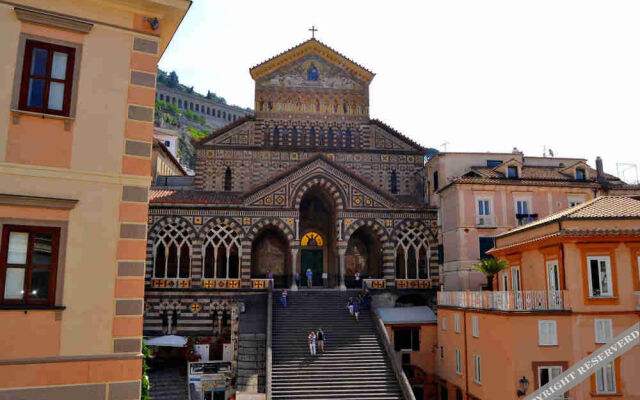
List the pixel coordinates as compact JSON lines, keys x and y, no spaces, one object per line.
{"x":333,"y":190}
{"x":228,"y":183}
{"x":221,"y":246}
{"x":170,"y":247}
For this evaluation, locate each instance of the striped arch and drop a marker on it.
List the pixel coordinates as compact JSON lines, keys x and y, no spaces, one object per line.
{"x":432,"y":244}
{"x":333,"y":189}
{"x":160,"y":226}
{"x":388,"y":253}
{"x":201,"y":238}
{"x":247,"y":241}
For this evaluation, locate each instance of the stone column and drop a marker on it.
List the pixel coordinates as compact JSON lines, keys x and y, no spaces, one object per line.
{"x":294,"y":268}
{"x":341,"y":253}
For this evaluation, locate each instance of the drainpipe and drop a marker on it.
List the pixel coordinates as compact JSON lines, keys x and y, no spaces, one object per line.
{"x":466,"y":355}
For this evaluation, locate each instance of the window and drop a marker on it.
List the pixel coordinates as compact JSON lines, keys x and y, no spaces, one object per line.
{"x":436,"y":184}
{"x":523,"y":207}
{"x":167,"y":143}
{"x":197,"y":107}
{"x":394,"y":182}
{"x":312,"y":137}
{"x":512,"y":172}
{"x":294,"y":136}
{"x":476,"y":328}
{"x":483,"y":211}
{"x":493,"y":163}
{"x":505,"y":281}
{"x":172,"y":253}
{"x":411,"y":254}
{"x":548,"y":373}
{"x":515,"y":279}
{"x":458,"y":394}
{"x":477,"y":372}
{"x":458,"y":362}
{"x":406,"y":339}
{"x":276,"y":136}
{"x":347,"y":138}
{"x":228,"y":184}
{"x":606,"y":379}
{"x":547,"y":333}
{"x":47,"y":78}
{"x":456,"y":322}
{"x":575,"y":200}
{"x":444,"y":324}
{"x":485,"y":244}
{"x":599,"y":272}
{"x":442,"y":352}
{"x":28,"y":264}
{"x":161,"y":96}
{"x":330,"y":137}
{"x":220,"y":253}
{"x":581,"y":174}
{"x":604,"y":330}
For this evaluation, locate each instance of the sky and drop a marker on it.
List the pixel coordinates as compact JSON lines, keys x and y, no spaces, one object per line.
{"x":455,"y":75}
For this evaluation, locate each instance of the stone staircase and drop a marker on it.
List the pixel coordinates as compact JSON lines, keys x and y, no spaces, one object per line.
{"x":167,"y":384}
{"x":354,"y":365}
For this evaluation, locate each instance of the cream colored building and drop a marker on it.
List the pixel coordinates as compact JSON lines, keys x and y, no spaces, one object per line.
{"x":75,"y":157}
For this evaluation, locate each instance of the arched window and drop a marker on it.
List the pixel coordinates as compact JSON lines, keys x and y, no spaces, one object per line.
{"x":172,"y":253}
{"x":179,"y":102}
{"x":394,"y":182}
{"x":347,"y":138}
{"x":330,"y":138}
{"x":294,"y":136}
{"x":276,"y":136}
{"x":312,"y":137}
{"x":220,"y":253}
{"x":412,"y":260}
{"x":344,"y":107}
{"x":312,"y":239}
{"x":228,"y":184}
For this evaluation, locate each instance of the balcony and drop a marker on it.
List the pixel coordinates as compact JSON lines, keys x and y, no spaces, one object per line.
{"x":526,"y":218}
{"x":529,"y":300}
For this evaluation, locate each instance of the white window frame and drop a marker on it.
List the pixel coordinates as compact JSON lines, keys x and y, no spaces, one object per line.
{"x":486,"y":217}
{"x":477,"y":370}
{"x":551,"y":368}
{"x":603,"y":330}
{"x":457,"y":322}
{"x":458,"y":362}
{"x":576,"y":200}
{"x":476,"y":327}
{"x":516,"y":269}
{"x":552,"y":340}
{"x":607,"y":259}
{"x":600,"y":373}
{"x":444,"y":323}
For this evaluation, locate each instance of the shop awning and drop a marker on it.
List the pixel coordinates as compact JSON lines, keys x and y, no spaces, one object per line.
{"x":167,"y":341}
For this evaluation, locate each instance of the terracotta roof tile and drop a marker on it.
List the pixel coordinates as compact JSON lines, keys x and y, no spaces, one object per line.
{"x":193,"y":197}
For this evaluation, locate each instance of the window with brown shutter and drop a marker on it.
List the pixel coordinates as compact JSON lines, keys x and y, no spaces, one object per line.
{"x":47,"y":78}
{"x":28,"y":265}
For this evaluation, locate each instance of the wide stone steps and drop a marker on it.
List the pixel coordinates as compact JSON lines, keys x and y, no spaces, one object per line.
{"x":354,"y":365}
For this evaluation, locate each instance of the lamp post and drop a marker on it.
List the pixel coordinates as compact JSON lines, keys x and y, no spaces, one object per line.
{"x":524,"y":386}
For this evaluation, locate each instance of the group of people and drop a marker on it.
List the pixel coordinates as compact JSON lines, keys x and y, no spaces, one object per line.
{"x":309,"y":275}
{"x":316,"y":341}
{"x":363,"y":300}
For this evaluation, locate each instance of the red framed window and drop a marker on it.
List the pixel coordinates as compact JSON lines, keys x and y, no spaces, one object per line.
{"x":47,"y":78}
{"x":28,"y":265}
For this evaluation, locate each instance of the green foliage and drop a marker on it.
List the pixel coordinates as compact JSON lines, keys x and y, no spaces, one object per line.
{"x":196,"y":133}
{"x":171,"y":80}
{"x":191,"y":116}
{"x":165,"y":107}
{"x":491,"y":266}
{"x":146,"y":386}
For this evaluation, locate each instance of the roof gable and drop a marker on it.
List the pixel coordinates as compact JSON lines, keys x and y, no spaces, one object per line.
{"x":311,"y":46}
{"x":224,"y":135}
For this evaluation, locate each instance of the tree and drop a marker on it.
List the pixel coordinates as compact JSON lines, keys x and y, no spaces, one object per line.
{"x":490,"y":267}
{"x":173,"y":80}
{"x":146,"y":386}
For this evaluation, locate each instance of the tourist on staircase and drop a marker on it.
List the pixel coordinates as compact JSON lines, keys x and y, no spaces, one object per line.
{"x":283,"y":298}
{"x":311,"y":339}
{"x":321,"y":338}
{"x":350,"y":305}
{"x":309,"y":278}
{"x":356,"y":309}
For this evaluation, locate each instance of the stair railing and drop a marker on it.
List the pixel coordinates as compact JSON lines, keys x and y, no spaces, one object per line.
{"x":269,"y":358}
{"x":407,"y":392}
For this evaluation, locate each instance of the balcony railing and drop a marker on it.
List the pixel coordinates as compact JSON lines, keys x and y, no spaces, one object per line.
{"x":526,"y":300}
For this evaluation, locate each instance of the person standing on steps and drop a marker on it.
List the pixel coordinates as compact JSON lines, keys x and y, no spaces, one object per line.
{"x":350,"y":305}
{"x":321,"y":338}
{"x":356,"y":309}
{"x":309,"y":278}
{"x":283,"y":298}
{"x":357,"y":279}
{"x":311,"y":340}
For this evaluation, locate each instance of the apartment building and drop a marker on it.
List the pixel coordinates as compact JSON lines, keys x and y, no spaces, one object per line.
{"x":75,"y":161}
{"x":481,"y":195}
{"x":572,"y":285}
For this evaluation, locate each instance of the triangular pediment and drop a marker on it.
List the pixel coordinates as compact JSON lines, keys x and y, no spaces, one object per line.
{"x":386,"y":138}
{"x":238,"y":133}
{"x":281,"y":191}
{"x":317,"y":49}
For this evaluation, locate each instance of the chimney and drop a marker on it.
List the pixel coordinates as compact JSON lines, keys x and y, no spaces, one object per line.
{"x":599,"y":170}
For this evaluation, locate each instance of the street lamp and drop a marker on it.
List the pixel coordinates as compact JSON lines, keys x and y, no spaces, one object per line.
{"x":524,"y":386}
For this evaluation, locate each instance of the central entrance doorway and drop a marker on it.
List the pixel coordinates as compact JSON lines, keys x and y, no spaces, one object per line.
{"x":317,"y":238}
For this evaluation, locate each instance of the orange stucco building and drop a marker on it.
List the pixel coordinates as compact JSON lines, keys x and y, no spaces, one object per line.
{"x":76,"y":130}
{"x":576,"y":275}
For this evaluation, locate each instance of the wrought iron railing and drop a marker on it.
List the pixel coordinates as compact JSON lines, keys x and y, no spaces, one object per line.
{"x":525,"y":300}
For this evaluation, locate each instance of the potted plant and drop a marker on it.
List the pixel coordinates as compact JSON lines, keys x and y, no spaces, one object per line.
{"x":490,"y":267}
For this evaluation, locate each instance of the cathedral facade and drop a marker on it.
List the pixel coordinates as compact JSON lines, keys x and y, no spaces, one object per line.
{"x":309,"y":182}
